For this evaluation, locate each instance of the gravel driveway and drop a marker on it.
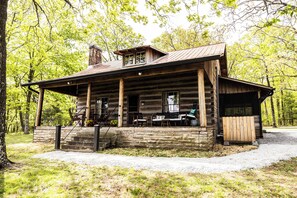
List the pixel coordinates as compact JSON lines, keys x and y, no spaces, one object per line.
{"x":277,"y":145}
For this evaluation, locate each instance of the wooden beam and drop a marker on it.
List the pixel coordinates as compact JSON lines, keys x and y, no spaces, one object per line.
{"x":121,"y":102}
{"x":88,"y":104}
{"x":201,"y":96}
{"x":39,"y":107}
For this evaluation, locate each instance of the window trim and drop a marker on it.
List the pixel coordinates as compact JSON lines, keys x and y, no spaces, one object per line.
{"x":164,"y":103}
{"x":139,"y":53}
{"x":133,"y":59}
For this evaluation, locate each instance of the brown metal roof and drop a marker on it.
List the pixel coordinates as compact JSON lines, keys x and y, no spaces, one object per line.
{"x":193,"y":53}
{"x":175,"y":56}
{"x":203,"y":53}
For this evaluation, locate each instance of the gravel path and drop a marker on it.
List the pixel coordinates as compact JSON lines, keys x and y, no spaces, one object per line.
{"x":277,"y":145}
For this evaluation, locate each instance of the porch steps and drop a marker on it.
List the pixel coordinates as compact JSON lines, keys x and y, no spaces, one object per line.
{"x":84,"y":142}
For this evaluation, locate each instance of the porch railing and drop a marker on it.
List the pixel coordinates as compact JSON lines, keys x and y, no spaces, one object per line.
{"x":75,"y":125}
{"x":109,"y":113}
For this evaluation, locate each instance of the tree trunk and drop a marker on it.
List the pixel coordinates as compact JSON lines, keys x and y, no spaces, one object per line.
{"x":278,"y":107}
{"x":21,"y":120}
{"x":27,"y":113}
{"x":283,"y":107}
{"x":266,"y":113}
{"x":271,"y":99}
{"x":28,"y":100}
{"x":3,"y":17}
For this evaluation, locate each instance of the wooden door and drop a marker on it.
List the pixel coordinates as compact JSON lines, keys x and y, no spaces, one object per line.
{"x":133,"y":107}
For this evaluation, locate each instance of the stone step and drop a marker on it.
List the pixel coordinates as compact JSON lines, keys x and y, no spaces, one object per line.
{"x":89,"y":139}
{"x":78,"y":148}
{"x":87,"y":144}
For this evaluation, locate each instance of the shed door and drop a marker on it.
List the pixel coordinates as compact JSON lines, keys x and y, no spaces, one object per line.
{"x":239,"y":129}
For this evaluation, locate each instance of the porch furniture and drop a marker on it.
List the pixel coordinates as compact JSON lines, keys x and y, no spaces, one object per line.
{"x":103,"y":120}
{"x":191,"y":115}
{"x":79,"y":118}
{"x":157,"y":119}
{"x":138,"y":120}
{"x":168,"y":119}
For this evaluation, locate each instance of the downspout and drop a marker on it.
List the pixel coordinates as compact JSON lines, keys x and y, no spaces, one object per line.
{"x":218,"y":107}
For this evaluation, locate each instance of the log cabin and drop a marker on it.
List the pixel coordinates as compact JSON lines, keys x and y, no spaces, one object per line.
{"x":150,"y":98}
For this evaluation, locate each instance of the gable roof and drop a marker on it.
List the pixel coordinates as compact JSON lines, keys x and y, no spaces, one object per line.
{"x":142,"y":47}
{"x":193,"y":55}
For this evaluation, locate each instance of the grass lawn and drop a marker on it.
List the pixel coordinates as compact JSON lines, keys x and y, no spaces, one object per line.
{"x":40,"y":178}
{"x":14,"y":138}
{"x":219,"y":150}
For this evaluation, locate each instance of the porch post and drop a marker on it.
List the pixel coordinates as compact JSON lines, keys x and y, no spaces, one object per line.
{"x":88,"y":104}
{"x":121,"y":102}
{"x":201,"y":96}
{"x":39,"y":107}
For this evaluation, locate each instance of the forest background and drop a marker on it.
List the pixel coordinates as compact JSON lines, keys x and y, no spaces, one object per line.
{"x":50,"y":39}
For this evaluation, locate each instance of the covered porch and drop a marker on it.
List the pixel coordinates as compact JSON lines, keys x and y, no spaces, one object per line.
{"x":165,"y":98}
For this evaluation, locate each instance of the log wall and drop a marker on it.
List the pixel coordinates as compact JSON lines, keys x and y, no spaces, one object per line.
{"x":150,"y":91}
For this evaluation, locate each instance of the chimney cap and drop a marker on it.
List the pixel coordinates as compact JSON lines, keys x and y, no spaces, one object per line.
{"x":96,"y":47}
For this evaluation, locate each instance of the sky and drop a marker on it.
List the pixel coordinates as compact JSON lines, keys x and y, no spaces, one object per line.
{"x":153,"y":30}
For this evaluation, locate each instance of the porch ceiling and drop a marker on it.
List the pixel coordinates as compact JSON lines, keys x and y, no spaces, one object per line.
{"x":69,"y":90}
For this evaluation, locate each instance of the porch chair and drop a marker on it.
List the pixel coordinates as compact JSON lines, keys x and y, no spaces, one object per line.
{"x":157,"y":119}
{"x":138,"y":120}
{"x":191,"y":115}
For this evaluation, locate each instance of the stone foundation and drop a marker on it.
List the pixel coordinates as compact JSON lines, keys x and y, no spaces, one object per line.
{"x":169,"y":138}
{"x":194,"y":138}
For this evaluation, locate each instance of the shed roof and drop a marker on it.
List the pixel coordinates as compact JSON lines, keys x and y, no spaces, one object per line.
{"x":247,"y":83}
{"x":244,"y":86}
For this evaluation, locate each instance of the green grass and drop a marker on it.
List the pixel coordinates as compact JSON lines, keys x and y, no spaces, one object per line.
{"x":15,"y":138}
{"x":41,"y":178}
{"x":219,"y":150}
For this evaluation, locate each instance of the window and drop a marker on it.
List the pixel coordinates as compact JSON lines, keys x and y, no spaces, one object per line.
{"x":243,"y":104}
{"x":129,"y":59}
{"x":239,"y":111}
{"x":171,"y":102}
{"x":140,"y":58}
{"x":101,"y":106}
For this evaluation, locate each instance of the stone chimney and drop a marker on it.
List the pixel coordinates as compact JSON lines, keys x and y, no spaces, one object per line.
{"x":95,"y":55}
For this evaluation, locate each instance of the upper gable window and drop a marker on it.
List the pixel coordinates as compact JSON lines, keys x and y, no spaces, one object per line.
{"x":129,"y":59}
{"x":140,"y":58}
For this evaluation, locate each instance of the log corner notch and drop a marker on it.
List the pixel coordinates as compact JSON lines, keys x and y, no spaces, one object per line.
{"x":121,"y":102}
{"x":39,"y":107}
{"x":201,"y":96}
